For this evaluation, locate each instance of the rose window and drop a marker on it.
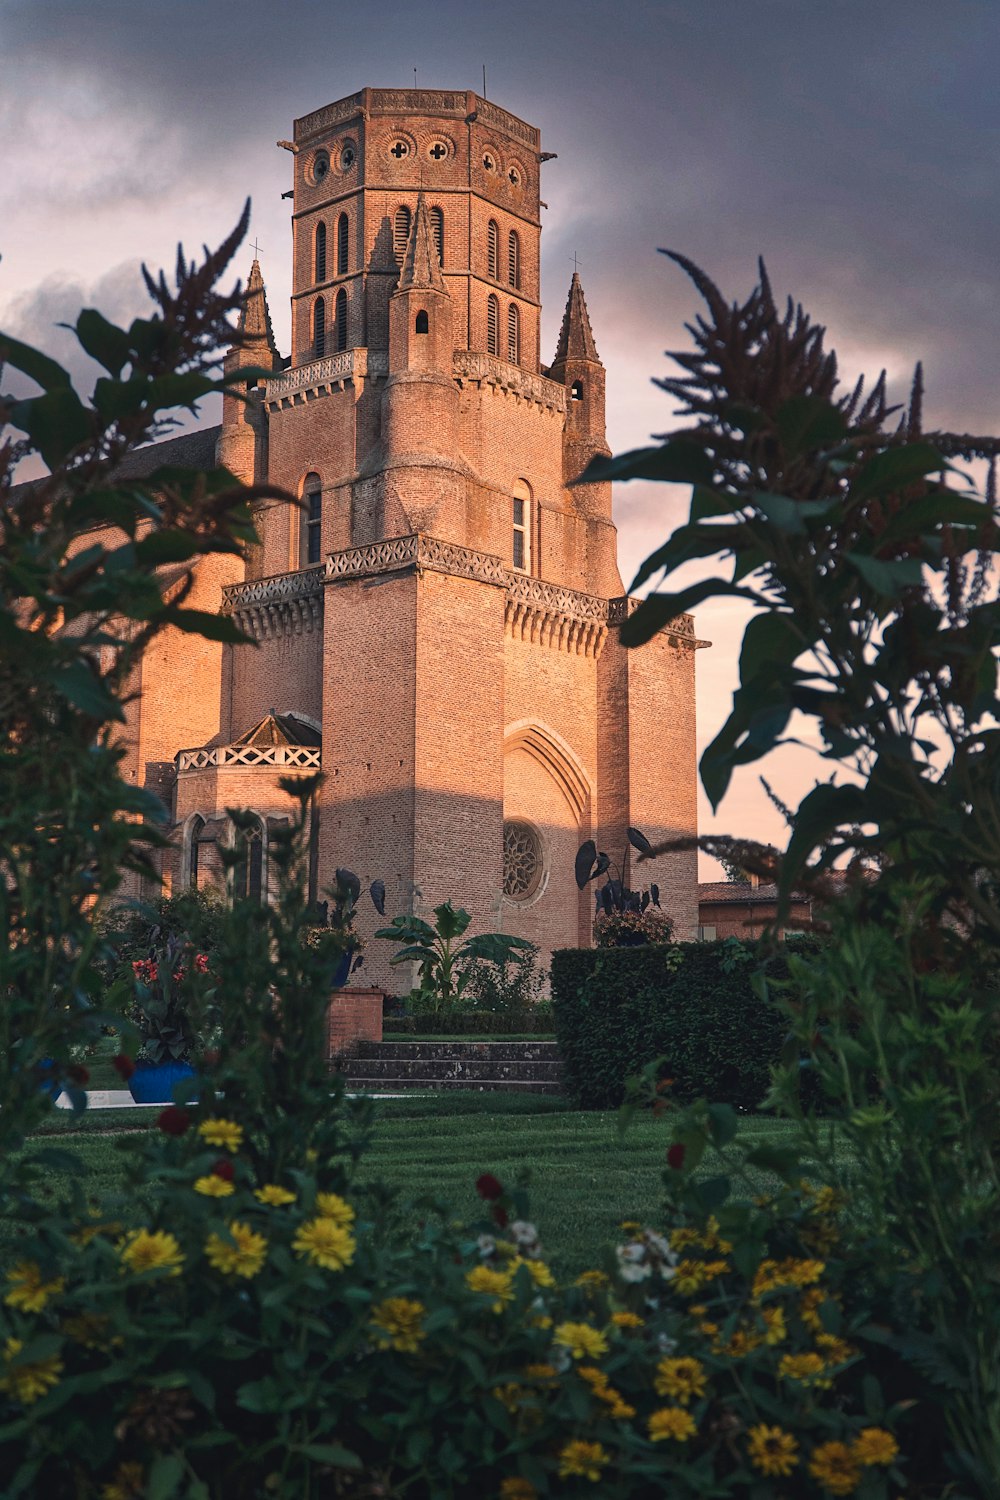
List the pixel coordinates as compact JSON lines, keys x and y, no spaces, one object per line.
{"x":522,"y":861}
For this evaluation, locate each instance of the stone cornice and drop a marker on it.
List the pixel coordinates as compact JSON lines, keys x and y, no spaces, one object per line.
{"x":413,"y":553}
{"x":320,"y":377}
{"x":285,"y":604}
{"x":680,"y":629}
{"x":471,"y":367}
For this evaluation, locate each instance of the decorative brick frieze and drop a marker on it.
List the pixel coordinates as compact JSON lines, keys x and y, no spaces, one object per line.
{"x":321,"y":377}
{"x":223,"y":757}
{"x":286,"y":604}
{"x":402,"y":553}
{"x":492,"y":114}
{"x":681,"y":626}
{"x":472,"y":368}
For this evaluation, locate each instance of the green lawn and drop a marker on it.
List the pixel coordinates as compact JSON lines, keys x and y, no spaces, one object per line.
{"x":585,"y":1177}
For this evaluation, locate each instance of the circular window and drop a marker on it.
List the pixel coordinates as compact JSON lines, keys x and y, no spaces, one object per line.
{"x":399,"y":149}
{"x":489,"y":162}
{"x":514,"y":177}
{"x":522,"y":861}
{"x":348,"y":157}
{"x":439,"y":149}
{"x":320,"y":166}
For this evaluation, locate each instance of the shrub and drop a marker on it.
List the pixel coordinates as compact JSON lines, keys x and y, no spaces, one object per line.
{"x":513,"y":983}
{"x":691,"y":1004}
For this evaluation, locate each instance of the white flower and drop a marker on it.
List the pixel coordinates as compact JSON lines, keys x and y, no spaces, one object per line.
{"x":560,"y":1358}
{"x":665,"y":1344}
{"x":487,"y":1246}
{"x":525,"y":1235}
{"x":660,"y":1247}
{"x":632,"y":1264}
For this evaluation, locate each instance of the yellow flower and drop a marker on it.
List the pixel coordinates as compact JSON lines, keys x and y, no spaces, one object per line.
{"x":626,"y":1320}
{"x":244,"y":1257}
{"x":510,"y":1396}
{"x":772,"y":1451}
{"x":325,"y":1243}
{"x":774,"y":1322}
{"x":772,"y":1274}
{"x":807,"y":1369}
{"x":28,"y":1292}
{"x":809,"y":1305}
{"x":671,"y":1422}
{"x":333,"y":1206}
{"x":91,"y":1330}
{"x":874,"y":1445}
{"x":27,"y":1382}
{"x":515,"y":1488}
{"x":614,"y":1400}
{"x":629,"y":1226}
{"x":221,"y":1133}
{"x":128,"y":1484}
{"x":151,"y":1250}
{"x":835,"y":1467}
{"x":592,"y":1278}
{"x":540,"y":1372}
{"x":91,"y":1231}
{"x":683,"y":1239}
{"x":496,"y":1284}
{"x":835,"y":1351}
{"x":582,"y":1341}
{"x":276,"y":1196}
{"x":213,"y":1187}
{"x":536,"y":1269}
{"x":743,"y":1342}
{"x":583,"y":1458}
{"x":683,"y":1379}
{"x":689,"y":1277}
{"x":398,"y":1323}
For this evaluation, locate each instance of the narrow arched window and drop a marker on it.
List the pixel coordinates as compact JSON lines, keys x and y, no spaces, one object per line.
{"x":421,"y":325}
{"x":400,"y":232}
{"x":493,"y":249}
{"x":195,"y":830}
{"x":513,"y":334}
{"x":343,"y":239}
{"x":319,"y":328}
{"x":312,"y":520}
{"x":576,"y":391}
{"x":514,"y":260}
{"x":521,"y":517}
{"x":320,"y":252}
{"x":437,"y":232}
{"x":248,"y":873}
{"x":340,"y":313}
{"x":492,"y":325}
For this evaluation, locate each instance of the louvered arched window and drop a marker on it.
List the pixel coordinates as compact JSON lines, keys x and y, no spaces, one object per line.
{"x":319,"y":328}
{"x":492,"y":325}
{"x":521,"y":516}
{"x":343,"y":238}
{"x":513,"y":334}
{"x":514,"y":260}
{"x":493,"y":249}
{"x":400,"y":232}
{"x":340,"y":318}
{"x":320,"y":252}
{"x":437,"y":232}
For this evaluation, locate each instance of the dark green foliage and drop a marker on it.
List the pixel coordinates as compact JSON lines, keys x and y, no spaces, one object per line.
{"x":693,"y":1004}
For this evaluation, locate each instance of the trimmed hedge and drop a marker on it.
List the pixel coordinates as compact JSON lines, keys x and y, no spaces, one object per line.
{"x":470,"y":1023}
{"x":617,"y":1009}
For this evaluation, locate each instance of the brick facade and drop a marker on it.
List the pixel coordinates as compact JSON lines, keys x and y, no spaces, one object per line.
{"x":442,"y":626}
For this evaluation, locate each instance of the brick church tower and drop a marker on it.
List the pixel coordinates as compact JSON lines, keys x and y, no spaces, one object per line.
{"x":436,"y":621}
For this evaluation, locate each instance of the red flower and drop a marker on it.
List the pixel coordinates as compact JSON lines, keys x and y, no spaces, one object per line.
{"x":123,"y":1066}
{"x":489,"y":1187}
{"x":675,"y":1156}
{"x":201,"y":963}
{"x":173,"y":1121}
{"x":223,"y":1169}
{"x":499,"y":1216}
{"x":145,"y":971}
{"x":78,"y":1074}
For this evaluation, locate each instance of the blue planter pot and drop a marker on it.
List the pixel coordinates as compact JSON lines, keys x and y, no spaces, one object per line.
{"x":154,"y":1083}
{"x":342,"y":972}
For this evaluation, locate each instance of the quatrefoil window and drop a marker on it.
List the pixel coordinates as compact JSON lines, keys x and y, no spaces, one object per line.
{"x":522,"y":860}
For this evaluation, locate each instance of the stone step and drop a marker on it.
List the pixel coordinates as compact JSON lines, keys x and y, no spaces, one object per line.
{"x":479,"y":1051}
{"x":367,"y":1085}
{"x":433,"y":1068}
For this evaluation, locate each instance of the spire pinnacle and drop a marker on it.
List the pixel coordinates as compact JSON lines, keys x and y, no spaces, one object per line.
{"x":255,"y":318}
{"x":576,"y":338}
{"x":421,"y":263}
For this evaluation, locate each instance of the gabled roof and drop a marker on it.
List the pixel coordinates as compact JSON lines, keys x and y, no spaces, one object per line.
{"x":192,"y":450}
{"x":421,"y":264}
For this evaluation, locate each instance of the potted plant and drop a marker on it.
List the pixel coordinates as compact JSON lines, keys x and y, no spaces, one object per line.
{"x":162,"y":1013}
{"x":333,"y":927}
{"x":624,"y":918}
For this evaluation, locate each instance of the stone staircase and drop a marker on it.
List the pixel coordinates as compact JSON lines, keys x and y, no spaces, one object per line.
{"x":391,"y":1067}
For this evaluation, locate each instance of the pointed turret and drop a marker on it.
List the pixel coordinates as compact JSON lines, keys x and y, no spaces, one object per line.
{"x":255,"y":317}
{"x":242,"y":442}
{"x":421,"y":263}
{"x":576,"y":337}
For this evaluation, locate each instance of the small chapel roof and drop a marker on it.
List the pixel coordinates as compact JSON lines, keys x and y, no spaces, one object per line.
{"x":576,"y":338}
{"x":255,"y":316}
{"x":280,"y":729}
{"x":421,"y":263}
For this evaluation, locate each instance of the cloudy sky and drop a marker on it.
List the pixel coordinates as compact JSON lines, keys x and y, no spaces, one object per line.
{"x":855,"y":144}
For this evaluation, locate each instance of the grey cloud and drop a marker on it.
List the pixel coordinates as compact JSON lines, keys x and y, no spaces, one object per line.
{"x":34,"y":317}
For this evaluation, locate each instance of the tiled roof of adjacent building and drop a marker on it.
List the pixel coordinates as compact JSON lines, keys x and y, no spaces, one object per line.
{"x":192,"y":450}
